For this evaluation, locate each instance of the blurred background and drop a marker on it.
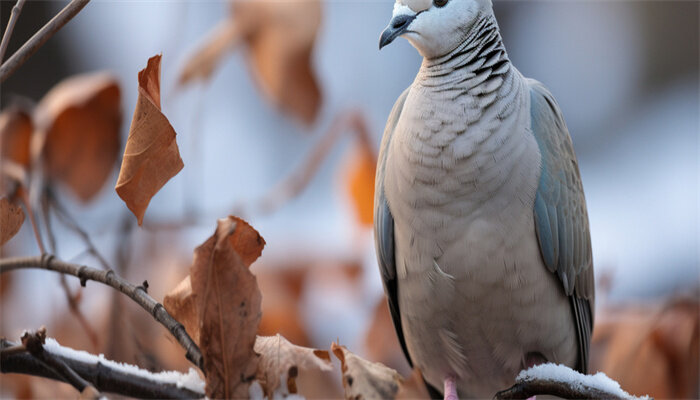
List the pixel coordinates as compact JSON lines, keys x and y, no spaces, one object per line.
{"x":307,"y":95}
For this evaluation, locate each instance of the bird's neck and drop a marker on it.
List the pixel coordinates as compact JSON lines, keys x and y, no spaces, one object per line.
{"x":481,"y":55}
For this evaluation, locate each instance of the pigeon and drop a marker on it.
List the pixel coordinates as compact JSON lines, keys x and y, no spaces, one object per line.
{"x":480,"y":220}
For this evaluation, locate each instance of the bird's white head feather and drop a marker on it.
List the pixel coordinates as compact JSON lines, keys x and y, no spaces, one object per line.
{"x":434,"y":28}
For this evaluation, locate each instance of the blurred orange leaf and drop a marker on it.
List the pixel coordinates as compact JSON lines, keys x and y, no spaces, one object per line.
{"x":78,"y":123}
{"x":228,"y":305}
{"x":381,"y":341}
{"x":15,"y":134}
{"x":280,"y":37}
{"x":11,"y":219}
{"x":360,"y":172}
{"x":366,"y":379}
{"x":281,"y":359}
{"x":281,"y":303}
{"x":181,"y":304}
{"x":151,"y":156}
{"x":414,"y":387}
{"x":650,"y":350}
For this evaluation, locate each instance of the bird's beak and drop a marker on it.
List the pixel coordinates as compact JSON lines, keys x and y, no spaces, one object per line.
{"x":398,"y":25}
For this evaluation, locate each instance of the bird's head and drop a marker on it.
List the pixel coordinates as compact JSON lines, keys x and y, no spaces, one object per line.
{"x":433,"y":27}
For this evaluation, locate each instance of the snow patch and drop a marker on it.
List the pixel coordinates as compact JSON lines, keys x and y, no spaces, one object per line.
{"x":562,"y":373}
{"x":190,"y":380}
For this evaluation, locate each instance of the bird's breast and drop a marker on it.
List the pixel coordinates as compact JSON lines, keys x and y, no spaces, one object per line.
{"x":454,"y":166}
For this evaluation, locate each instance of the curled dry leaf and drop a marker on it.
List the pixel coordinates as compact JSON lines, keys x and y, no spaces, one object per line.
{"x":364,"y":379}
{"x":280,"y":37}
{"x":77,"y":125}
{"x":280,"y":359}
{"x":151,"y":156}
{"x":11,"y":219}
{"x":228,"y":307}
{"x":16,"y":128}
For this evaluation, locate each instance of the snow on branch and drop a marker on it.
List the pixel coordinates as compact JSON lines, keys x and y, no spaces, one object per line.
{"x":561,"y":381}
{"x":105,"y":375}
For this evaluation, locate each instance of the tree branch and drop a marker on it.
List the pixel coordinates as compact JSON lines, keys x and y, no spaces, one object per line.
{"x":34,"y":343}
{"x":136,"y":293}
{"x":14,"y":16}
{"x":101,"y":374}
{"x":525,"y":390}
{"x":39,"y":38}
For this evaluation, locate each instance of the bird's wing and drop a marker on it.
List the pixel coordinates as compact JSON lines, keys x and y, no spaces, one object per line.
{"x":561,"y":219}
{"x":384,"y":226}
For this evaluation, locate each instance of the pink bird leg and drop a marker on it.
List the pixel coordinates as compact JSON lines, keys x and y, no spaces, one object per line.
{"x":450,"y":388}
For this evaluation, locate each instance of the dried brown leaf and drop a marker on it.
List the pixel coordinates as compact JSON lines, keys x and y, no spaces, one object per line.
{"x":16,"y":128}
{"x":281,"y":42}
{"x":11,"y":219}
{"x":228,"y":304}
{"x":280,"y":359}
{"x":78,"y":124}
{"x":280,"y":37}
{"x":151,"y":156}
{"x":181,"y":304}
{"x":364,"y":379}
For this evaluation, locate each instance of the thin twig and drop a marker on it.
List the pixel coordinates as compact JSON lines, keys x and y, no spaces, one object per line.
{"x":14,"y":16}
{"x":39,"y":38}
{"x":73,"y":305}
{"x":101,"y":375}
{"x":34,"y":343}
{"x":70,"y":222}
{"x":32,"y":219}
{"x":294,"y":183}
{"x":110,"y":278}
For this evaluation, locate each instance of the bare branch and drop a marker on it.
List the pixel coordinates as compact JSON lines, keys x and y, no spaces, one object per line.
{"x":14,"y":16}
{"x":110,"y":278}
{"x":70,"y":222}
{"x":39,"y":38}
{"x":32,"y":218}
{"x":15,"y":359}
{"x":70,"y":297}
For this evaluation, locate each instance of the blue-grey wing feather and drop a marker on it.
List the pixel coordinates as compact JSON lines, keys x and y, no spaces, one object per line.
{"x":561,"y":219}
{"x":384,"y":226}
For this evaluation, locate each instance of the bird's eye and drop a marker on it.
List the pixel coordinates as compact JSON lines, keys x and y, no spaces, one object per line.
{"x":440,"y":3}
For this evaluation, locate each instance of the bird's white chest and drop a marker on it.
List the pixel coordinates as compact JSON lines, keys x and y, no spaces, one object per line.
{"x":454,"y":167}
{"x":461,"y":183}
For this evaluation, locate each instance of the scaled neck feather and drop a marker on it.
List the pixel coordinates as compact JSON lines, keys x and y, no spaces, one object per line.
{"x":481,"y":53}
